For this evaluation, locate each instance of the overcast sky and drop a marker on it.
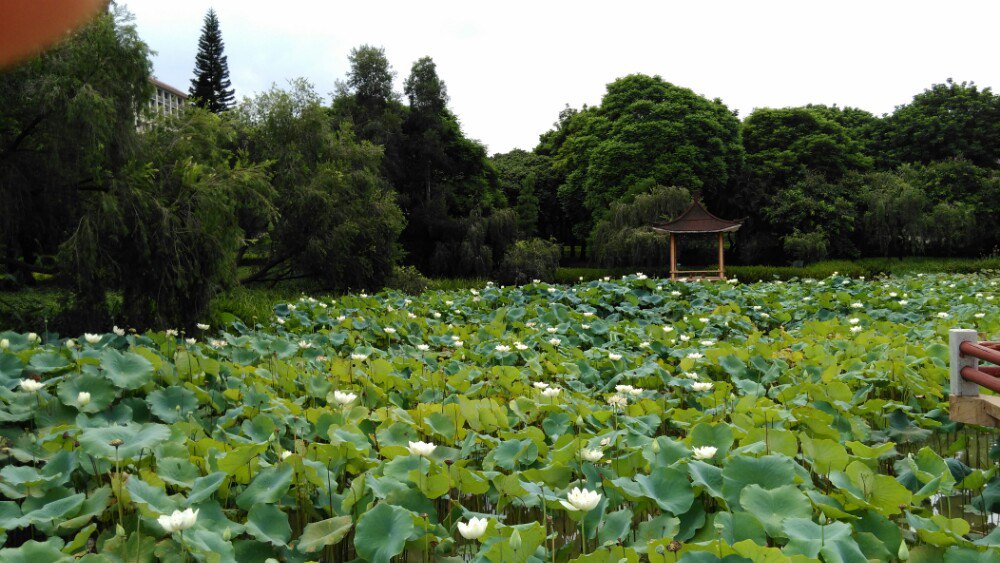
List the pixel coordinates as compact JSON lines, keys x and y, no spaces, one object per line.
{"x":511,"y":66}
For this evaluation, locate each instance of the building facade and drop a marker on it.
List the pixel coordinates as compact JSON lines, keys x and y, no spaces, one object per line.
{"x":167,"y":101}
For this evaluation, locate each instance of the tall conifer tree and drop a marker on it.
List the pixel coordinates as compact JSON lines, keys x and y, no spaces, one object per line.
{"x":210,"y":86}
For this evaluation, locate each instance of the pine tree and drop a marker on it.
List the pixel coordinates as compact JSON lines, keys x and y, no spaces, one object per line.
{"x":210,"y":86}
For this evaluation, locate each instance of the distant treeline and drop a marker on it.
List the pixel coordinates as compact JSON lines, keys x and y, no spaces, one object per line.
{"x":812,"y":182}
{"x":342,"y":192}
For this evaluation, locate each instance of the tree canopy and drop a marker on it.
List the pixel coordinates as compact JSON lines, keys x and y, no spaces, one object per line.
{"x":210,"y":86}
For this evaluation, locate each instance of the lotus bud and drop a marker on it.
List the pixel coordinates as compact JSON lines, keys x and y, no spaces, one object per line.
{"x":227,"y":533}
{"x":655,"y":446}
{"x":515,"y":540}
{"x":904,"y":552}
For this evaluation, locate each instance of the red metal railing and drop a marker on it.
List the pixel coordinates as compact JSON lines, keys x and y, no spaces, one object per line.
{"x":988,"y":377}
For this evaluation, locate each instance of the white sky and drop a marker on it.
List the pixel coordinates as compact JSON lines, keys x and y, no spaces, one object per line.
{"x":511,"y":66}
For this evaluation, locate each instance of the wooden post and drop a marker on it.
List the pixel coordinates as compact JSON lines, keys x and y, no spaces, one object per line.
{"x":959,"y":386}
{"x":673,"y":257}
{"x":722,"y":264}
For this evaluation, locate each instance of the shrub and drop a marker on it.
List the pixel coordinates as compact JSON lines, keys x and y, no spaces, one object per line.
{"x":407,"y":279}
{"x":807,"y":247}
{"x":530,"y":259}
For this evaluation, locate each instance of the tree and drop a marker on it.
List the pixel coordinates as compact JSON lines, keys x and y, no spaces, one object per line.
{"x":950,"y":120}
{"x":338,"y":219}
{"x":166,"y":230}
{"x":646,"y":131}
{"x":625,"y":237}
{"x":210,"y":86}
{"x":519,"y":169}
{"x":67,"y":134}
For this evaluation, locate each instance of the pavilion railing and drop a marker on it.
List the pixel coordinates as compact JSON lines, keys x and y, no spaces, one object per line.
{"x":966,"y":404}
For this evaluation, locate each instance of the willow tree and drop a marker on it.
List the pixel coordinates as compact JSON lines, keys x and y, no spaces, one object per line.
{"x":68,"y":128}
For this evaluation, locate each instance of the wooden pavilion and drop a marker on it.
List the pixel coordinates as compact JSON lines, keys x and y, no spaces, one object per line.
{"x":697,"y":220}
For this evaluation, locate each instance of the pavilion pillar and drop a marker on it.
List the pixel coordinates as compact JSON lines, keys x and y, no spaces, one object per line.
{"x":673,"y":257}
{"x":722,"y":263}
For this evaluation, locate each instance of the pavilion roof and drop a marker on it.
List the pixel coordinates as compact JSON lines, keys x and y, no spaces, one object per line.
{"x":697,"y":219}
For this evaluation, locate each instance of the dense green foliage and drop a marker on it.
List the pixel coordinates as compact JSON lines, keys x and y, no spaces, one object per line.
{"x":812,"y":181}
{"x":786,"y":422}
{"x":210,"y":87}
{"x":336,"y":195}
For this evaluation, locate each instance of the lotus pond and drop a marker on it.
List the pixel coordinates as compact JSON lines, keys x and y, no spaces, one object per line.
{"x":615,"y":420}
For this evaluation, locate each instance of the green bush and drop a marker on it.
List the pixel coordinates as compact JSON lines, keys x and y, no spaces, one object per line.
{"x":407,"y":279}
{"x":530,"y":259}
{"x":807,"y":247}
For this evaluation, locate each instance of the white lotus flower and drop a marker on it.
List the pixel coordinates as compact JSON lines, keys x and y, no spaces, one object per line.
{"x":118,"y":331}
{"x":280,"y":320}
{"x":91,"y":338}
{"x":33,"y":337}
{"x":31,"y":386}
{"x":756,"y":307}
{"x":618,"y":401}
{"x":581,"y":500}
{"x":695,"y":356}
{"x":83,"y":398}
{"x":422,"y":449}
{"x":903,"y":301}
{"x":555,"y":341}
{"x":551,"y":289}
{"x":341,"y":318}
{"x":644,"y":344}
{"x":893,"y":294}
{"x":344,"y":398}
{"x":708,"y":343}
{"x":190,"y":341}
{"x":684,"y":338}
{"x":592,"y":455}
{"x":502,"y":348}
{"x":178,"y":521}
{"x":389,"y":330}
{"x":449,"y":303}
{"x":551,"y":330}
{"x":979,"y":315}
{"x":216,"y":343}
{"x":765,"y":315}
{"x":614,"y":357}
{"x":857,"y":305}
{"x":410,"y":316}
{"x":675,"y":293}
{"x":285,"y":455}
{"x":540,"y":385}
{"x":357,"y":356}
{"x":668,"y":328}
{"x":4,"y":344}
{"x":856,"y":329}
{"x":203,"y":326}
{"x":588,"y":314}
{"x":304,"y":345}
{"x":551,"y":391}
{"x":364,"y":295}
{"x":171,"y":332}
{"x":436,"y":315}
{"x":520,"y":346}
{"x":474,"y":529}
{"x":423,"y":347}
{"x":943,"y":315}
{"x":457,"y":343}
{"x":702,"y":386}
{"x":690,"y":375}
{"x":585,"y":327}
{"x":70,"y":343}
{"x":705,"y":452}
